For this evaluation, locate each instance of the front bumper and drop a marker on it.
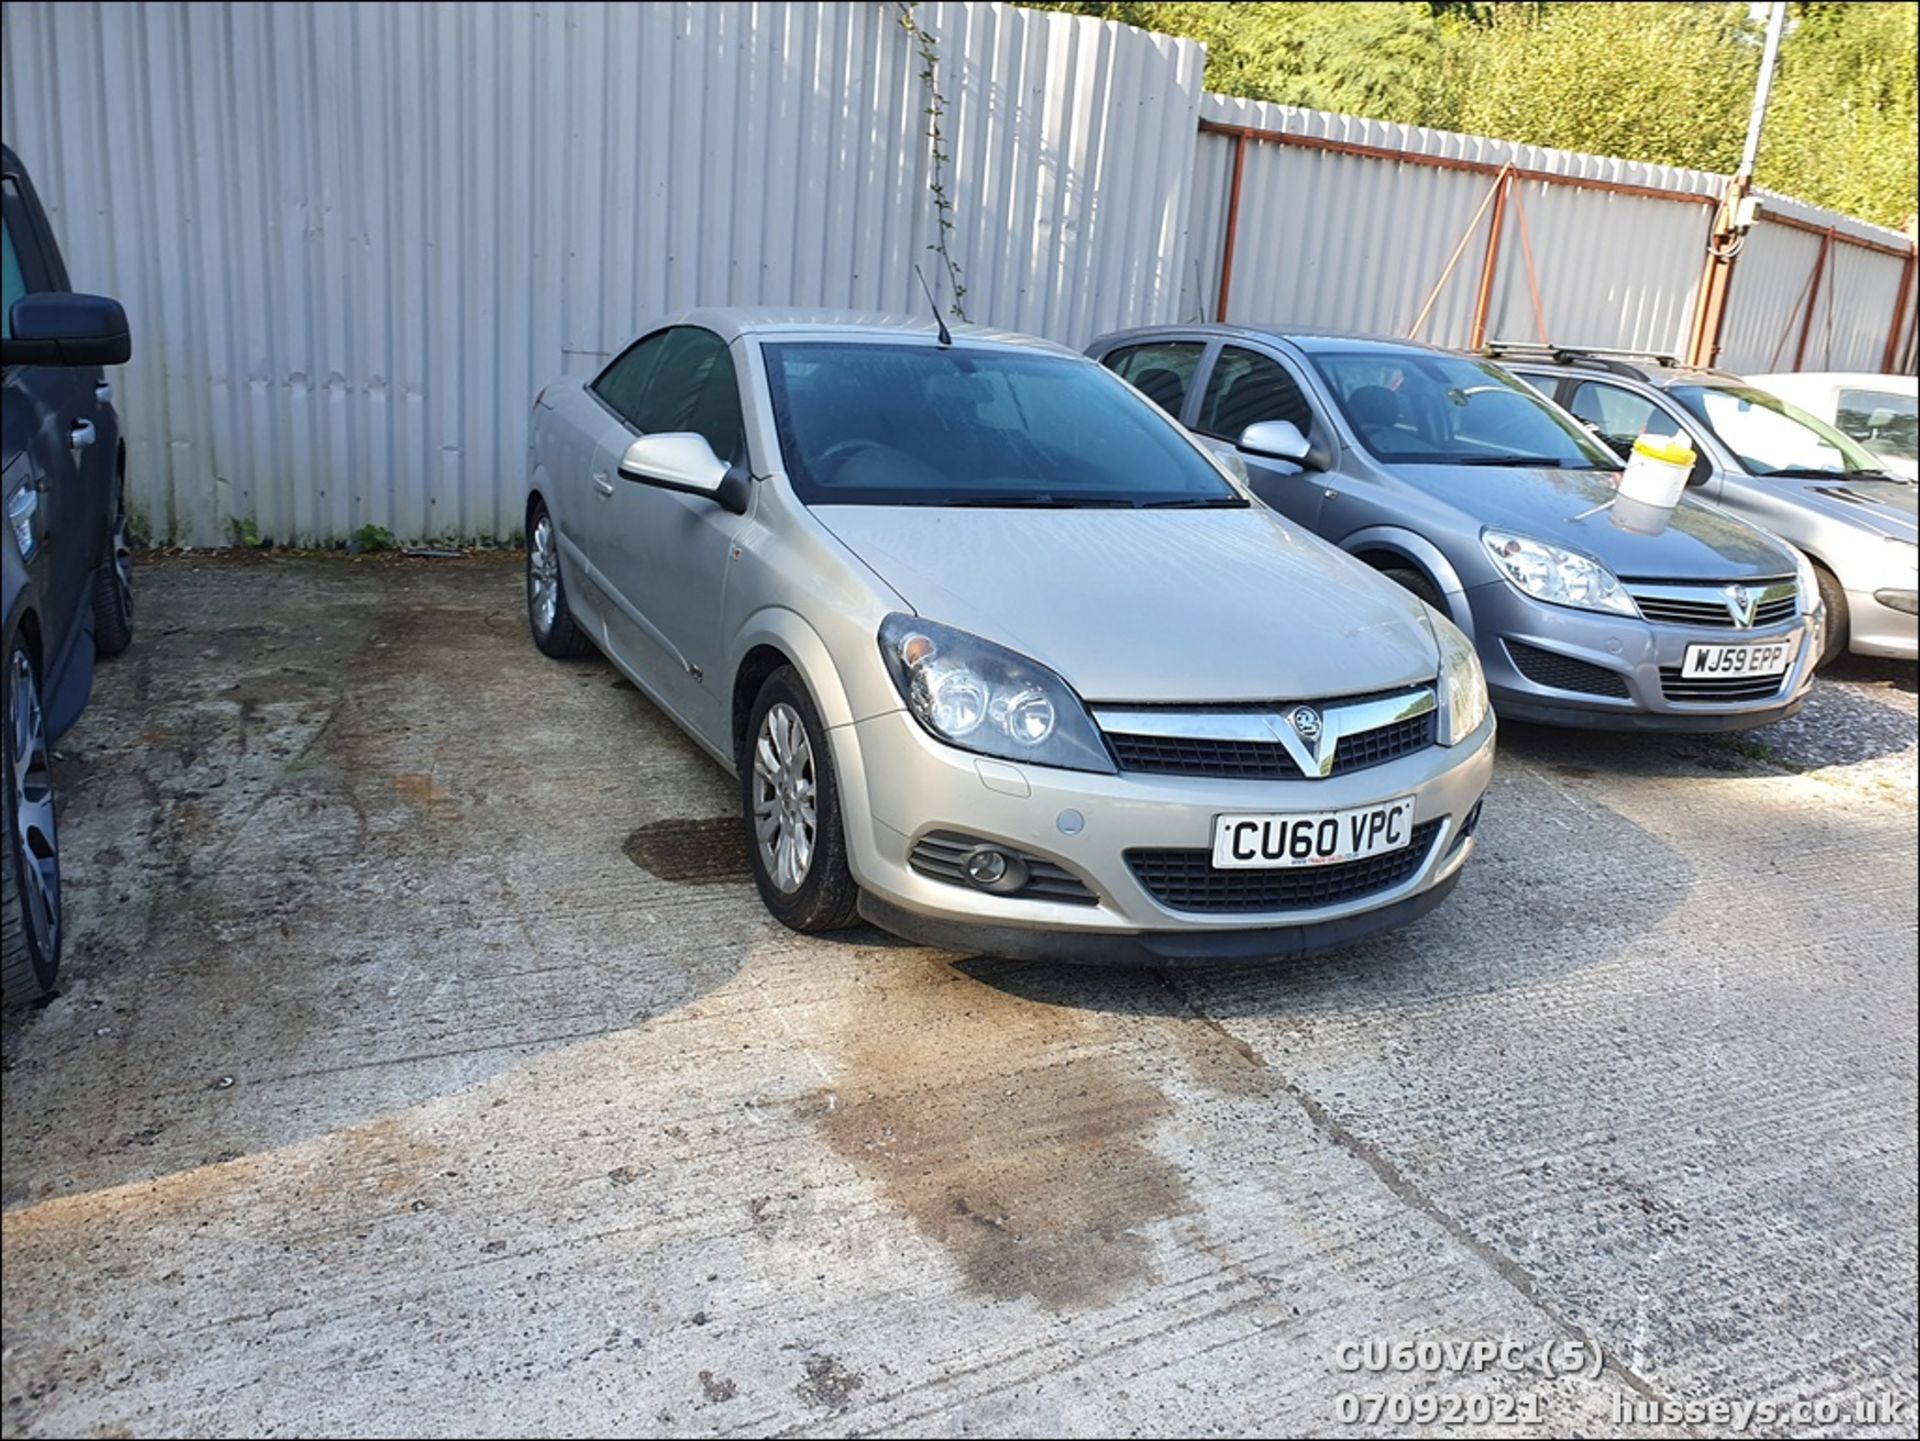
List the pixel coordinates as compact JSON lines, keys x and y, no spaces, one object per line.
{"x":899,"y":785}
{"x":1877,"y":627}
{"x":1588,"y":651}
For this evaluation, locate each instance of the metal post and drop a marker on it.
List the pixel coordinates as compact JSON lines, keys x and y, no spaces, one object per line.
{"x":1890,"y":357}
{"x":1233,"y":227}
{"x":1776,"y":21}
{"x":1490,"y":265}
{"x":1813,"y":297}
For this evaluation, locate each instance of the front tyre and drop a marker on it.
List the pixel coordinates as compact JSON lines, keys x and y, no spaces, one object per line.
{"x":549,"y":617}
{"x":791,"y":803}
{"x":113,"y":588}
{"x":1833,"y":596}
{"x":29,"y":849}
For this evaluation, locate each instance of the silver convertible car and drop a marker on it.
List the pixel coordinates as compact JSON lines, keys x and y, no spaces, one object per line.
{"x":1002,"y":658}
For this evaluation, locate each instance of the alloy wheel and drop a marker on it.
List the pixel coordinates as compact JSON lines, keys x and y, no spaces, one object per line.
{"x":543,"y":575}
{"x":784,"y":817}
{"x":39,"y":853}
{"x":122,"y":566}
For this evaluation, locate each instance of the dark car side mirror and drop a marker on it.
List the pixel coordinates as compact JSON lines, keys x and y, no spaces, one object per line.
{"x":62,"y":327}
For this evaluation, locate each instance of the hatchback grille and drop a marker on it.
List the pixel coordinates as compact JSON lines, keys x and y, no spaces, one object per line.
{"x":1706,"y":605}
{"x":939,"y":854}
{"x":1718,"y":688}
{"x":1185,"y":880}
{"x":1563,"y":672}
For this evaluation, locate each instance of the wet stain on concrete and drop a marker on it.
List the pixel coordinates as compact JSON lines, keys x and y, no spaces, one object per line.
{"x":428,"y":796}
{"x":1008,"y":1131}
{"x":827,"y":1384}
{"x":701,"y":851}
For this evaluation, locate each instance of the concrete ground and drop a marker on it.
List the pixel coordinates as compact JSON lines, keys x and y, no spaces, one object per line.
{"x":427,"y":1064}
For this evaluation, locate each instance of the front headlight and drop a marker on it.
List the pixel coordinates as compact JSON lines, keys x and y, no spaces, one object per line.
{"x":21,"y":506}
{"x":1809,"y":583}
{"x":1463,"y":685}
{"x":1562,"y":577}
{"x":971,"y":693}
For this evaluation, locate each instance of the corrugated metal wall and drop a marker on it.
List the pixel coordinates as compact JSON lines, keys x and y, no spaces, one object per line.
{"x":1357,"y":242}
{"x":353,"y":240}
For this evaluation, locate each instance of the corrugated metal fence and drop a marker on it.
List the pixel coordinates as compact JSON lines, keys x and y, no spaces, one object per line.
{"x":1350,"y":224}
{"x":353,"y":239}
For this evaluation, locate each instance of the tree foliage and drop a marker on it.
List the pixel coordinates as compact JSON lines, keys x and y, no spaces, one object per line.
{"x":1668,"y":83}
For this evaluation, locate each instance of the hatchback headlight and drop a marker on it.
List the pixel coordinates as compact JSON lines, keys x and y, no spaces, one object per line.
{"x":1561,"y":577}
{"x":971,"y":693}
{"x":21,"y":506}
{"x":1463,"y":685}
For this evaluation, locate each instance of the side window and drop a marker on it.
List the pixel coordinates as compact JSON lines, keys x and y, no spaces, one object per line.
{"x":1245,"y":388}
{"x":1163,"y":372}
{"x":1620,"y":416}
{"x":693,"y":388}
{"x":12,"y":287}
{"x":623,"y":384}
{"x":1883,"y":422}
{"x":678,"y":379}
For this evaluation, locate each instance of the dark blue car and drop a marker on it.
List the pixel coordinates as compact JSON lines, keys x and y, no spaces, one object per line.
{"x":67,"y":594}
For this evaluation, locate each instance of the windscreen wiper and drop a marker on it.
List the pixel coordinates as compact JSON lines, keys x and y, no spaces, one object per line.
{"x":1819,"y":472}
{"x":1554,"y":461}
{"x":1034,"y":502}
{"x":1196,"y":502}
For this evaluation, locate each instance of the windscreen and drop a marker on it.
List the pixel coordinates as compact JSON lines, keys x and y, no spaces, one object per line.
{"x":1772,"y":437}
{"x":1430,"y":409}
{"x":875,"y":423}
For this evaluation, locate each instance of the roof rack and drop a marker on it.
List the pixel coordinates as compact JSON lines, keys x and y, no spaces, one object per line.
{"x":1596,"y":356}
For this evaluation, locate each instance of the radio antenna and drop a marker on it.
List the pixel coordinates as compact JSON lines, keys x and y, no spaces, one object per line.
{"x":946,"y":336}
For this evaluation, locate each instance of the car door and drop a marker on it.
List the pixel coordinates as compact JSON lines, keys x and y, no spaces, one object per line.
{"x":64,"y":440}
{"x":1244,"y":386}
{"x":661,"y":555}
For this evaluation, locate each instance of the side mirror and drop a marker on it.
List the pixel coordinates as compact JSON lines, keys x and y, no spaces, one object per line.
{"x":60,"y":327}
{"x":681,"y":460}
{"x":1282,"y":439}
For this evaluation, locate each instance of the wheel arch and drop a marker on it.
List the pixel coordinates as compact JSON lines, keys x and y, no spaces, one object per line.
{"x":1386,"y":546}
{"x":769,"y":639}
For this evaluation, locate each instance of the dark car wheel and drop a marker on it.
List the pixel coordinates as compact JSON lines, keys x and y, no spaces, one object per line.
{"x":1413,"y":580}
{"x":554,"y":629}
{"x":113,"y":590}
{"x":1834,"y":597}
{"x":29,"y":851}
{"x":791,"y":802}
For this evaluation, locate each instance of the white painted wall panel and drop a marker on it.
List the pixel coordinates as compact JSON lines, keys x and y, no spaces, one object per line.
{"x":354,"y":239}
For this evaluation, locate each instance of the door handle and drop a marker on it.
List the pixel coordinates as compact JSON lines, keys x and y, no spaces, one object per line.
{"x":81,"y":434}
{"x":601,"y":483}
{"x":103,"y":392}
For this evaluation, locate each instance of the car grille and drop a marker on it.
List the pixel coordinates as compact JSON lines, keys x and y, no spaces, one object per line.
{"x":939,"y":854}
{"x":1265,"y":760}
{"x":1245,"y":758}
{"x":1706,"y":605}
{"x":1185,"y":880}
{"x":1718,"y":688}
{"x":1563,"y":672}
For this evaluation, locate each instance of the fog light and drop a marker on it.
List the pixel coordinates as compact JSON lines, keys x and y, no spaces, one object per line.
{"x":987,"y":867}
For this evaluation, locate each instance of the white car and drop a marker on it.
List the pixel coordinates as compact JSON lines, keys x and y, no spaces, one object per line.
{"x":1876,"y":410}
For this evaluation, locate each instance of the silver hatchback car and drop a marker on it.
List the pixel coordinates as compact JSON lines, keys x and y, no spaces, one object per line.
{"x":1773,"y":464}
{"x":1489,"y":503}
{"x":1002,"y":658}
